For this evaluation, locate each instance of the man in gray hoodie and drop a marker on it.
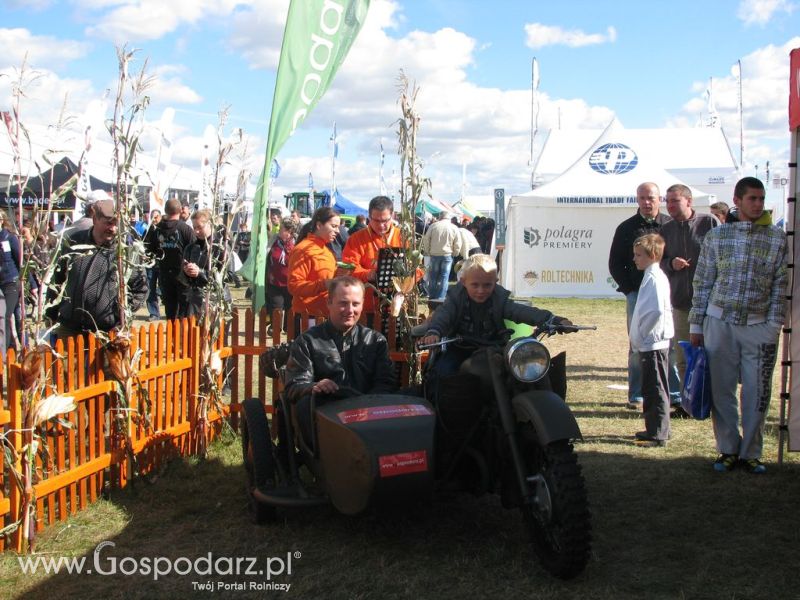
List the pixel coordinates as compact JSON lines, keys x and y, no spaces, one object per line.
{"x":684,"y":238}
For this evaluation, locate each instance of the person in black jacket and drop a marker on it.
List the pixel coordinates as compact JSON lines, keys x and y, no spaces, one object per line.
{"x":201,"y":259}
{"x":10,"y":267}
{"x":172,"y":236}
{"x":361,"y":223}
{"x":90,"y":296}
{"x":338,"y":353}
{"x":647,"y":219}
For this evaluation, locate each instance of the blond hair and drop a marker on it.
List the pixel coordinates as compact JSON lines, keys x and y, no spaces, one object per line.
{"x":652,"y":244}
{"x":204,"y":215}
{"x":478,"y":262}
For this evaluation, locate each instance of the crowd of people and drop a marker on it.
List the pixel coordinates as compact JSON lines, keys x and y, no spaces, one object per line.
{"x":302,"y":259}
{"x":83,"y":295}
{"x":718,"y":281}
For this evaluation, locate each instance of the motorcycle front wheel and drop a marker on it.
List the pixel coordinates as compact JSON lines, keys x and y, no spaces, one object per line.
{"x":557,"y":517}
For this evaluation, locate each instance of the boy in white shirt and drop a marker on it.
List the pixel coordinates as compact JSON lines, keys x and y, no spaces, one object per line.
{"x":650,"y":335}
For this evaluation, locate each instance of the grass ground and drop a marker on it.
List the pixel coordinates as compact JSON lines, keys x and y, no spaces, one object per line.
{"x":664,"y":524}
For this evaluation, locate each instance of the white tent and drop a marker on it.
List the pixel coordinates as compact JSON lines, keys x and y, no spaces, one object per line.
{"x":558,"y":236}
{"x":699,"y":156}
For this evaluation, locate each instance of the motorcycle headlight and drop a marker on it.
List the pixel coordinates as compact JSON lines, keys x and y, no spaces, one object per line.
{"x":528,"y":360}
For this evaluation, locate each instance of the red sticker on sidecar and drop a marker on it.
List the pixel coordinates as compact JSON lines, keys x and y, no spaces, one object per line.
{"x":376,"y":413}
{"x":405,"y":462}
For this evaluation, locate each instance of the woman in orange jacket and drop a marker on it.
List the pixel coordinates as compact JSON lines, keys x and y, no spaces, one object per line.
{"x":312,"y":265}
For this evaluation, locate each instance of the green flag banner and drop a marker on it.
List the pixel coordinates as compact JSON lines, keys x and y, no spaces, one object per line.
{"x":316,"y":40}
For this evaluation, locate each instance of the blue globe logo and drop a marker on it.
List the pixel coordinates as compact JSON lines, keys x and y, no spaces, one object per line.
{"x":613,"y":159}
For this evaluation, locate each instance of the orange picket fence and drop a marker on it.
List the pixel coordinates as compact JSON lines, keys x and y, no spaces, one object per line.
{"x":85,"y":460}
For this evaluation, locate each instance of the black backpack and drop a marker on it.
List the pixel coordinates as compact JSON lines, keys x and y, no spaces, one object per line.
{"x":170,"y":243}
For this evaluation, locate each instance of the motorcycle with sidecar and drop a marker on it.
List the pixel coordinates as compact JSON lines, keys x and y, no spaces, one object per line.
{"x":500,"y":425}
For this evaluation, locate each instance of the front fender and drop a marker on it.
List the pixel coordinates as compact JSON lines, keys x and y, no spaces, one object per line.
{"x":551,"y":417}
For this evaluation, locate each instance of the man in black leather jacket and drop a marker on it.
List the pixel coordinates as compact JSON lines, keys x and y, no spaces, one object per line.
{"x":340,"y":352}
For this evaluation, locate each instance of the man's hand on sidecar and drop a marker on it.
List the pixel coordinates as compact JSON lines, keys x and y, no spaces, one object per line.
{"x":325,"y":386}
{"x":428,"y":339}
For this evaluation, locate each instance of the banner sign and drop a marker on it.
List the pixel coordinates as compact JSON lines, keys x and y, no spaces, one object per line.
{"x":794,"y":312}
{"x":377,"y":413}
{"x":554,"y":252}
{"x":66,"y":202}
{"x":794,"y":89}
{"x":499,"y":217}
{"x":316,"y":40}
{"x":401,"y":464}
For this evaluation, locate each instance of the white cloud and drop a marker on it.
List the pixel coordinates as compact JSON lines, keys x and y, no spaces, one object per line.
{"x":168,"y":87}
{"x":539,"y":36}
{"x":764,"y":91}
{"x":45,"y":95}
{"x":134,"y":20}
{"x":760,"y":12}
{"x":258,"y":31}
{"x":42,"y":51}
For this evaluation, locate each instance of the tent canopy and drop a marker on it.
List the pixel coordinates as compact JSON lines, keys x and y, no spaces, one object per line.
{"x":41,"y":186}
{"x":698,"y":156}
{"x":342,"y":204}
{"x":608,"y":173}
{"x":433,"y":206}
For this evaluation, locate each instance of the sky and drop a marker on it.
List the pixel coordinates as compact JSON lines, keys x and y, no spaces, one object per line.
{"x":647,"y":63}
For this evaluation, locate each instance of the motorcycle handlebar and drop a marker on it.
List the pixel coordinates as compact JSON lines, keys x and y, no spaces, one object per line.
{"x":550,"y":328}
{"x":546,"y":329}
{"x":441,"y":342}
{"x":572,"y":328}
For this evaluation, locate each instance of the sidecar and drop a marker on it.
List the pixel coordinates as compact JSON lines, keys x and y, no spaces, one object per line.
{"x":367,"y":450}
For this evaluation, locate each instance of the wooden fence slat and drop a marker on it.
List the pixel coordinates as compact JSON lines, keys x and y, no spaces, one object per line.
{"x":188,"y":390}
{"x":249,"y":326}
{"x":161,"y":382}
{"x":59,"y":440}
{"x":92,"y":443}
{"x":149,"y":360}
{"x":263,"y":341}
{"x":72,"y":434}
{"x":233,"y":376}
{"x":14,"y":397}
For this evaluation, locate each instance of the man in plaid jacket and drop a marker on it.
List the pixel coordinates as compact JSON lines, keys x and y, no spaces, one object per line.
{"x":737,"y":313}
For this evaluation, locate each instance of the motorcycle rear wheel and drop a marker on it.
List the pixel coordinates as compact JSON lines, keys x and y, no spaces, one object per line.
{"x":257,"y":458}
{"x":560,"y":528}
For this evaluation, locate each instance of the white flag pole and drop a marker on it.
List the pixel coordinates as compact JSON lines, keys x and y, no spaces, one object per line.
{"x":534,"y":111}
{"x":741,"y":118}
{"x":334,"y":153}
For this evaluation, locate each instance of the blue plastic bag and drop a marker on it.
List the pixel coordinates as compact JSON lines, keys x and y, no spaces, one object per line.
{"x":696,"y":392}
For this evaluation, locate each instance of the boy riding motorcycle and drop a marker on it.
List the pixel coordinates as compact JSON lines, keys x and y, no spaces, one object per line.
{"x":476,"y":307}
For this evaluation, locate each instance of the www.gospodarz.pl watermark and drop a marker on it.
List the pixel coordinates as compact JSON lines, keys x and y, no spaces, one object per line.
{"x":207,"y":566}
